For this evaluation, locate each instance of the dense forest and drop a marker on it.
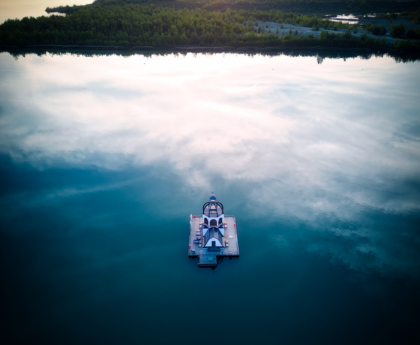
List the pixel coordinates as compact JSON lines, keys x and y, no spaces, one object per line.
{"x":144,"y":25}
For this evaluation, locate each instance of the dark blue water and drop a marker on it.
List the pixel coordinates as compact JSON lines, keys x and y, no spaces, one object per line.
{"x":103,"y":160}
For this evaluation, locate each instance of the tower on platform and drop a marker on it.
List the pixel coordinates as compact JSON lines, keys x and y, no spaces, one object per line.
{"x":213,"y":235}
{"x":213,"y":221}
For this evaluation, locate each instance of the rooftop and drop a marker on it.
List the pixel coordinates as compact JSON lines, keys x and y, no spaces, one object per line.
{"x":213,"y":209}
{"x":196,"y":250}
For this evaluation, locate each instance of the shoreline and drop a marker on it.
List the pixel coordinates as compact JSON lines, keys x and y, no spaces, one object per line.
{"x":216,"y":49}
{"x":268,"y":32}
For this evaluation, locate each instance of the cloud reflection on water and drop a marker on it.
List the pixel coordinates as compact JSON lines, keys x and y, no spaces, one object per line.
{"x":330,"y":144}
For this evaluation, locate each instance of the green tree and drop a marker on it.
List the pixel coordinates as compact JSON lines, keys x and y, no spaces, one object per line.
{"x":397,"y":30}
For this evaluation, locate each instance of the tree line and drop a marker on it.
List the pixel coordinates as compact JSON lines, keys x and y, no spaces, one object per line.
{"x":140,"y":25}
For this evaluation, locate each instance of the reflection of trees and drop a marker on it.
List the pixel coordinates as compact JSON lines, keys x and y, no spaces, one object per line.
{"x":319,"y":59}
{"x":319,"y":55}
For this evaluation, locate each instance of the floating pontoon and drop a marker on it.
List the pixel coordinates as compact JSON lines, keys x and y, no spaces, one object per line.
{"x":213,"y":235}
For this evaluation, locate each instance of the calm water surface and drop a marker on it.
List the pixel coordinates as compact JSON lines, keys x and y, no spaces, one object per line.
{"x":104,"y":158}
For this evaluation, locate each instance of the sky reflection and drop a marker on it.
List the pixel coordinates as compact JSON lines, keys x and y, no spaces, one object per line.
{"x":335,"y":146}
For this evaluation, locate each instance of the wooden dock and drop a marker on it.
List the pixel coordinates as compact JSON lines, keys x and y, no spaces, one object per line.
{"x":210,"y":258}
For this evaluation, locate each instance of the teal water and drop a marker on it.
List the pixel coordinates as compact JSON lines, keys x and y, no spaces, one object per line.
{"x":104,"y":158}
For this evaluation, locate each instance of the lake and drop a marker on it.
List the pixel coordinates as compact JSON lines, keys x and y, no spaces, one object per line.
{"x":104,"y":158}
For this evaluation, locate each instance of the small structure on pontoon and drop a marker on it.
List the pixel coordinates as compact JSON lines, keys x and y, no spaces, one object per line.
{"x":213,"y":221}
{"x":213,"y":235}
